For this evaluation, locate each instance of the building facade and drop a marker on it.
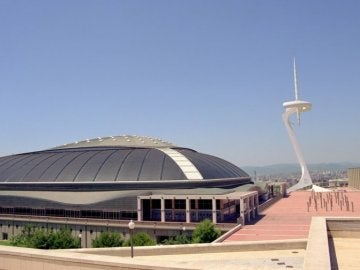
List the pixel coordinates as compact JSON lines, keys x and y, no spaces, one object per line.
{"x":119,"y":178}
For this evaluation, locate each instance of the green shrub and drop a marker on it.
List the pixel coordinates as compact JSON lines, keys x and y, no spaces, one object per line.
{"x":205,"y":232}
{"x":141,"y":239}
{"x":41,"y":239}
{"x":24,"y":238}
{"x":108,"y":239}
{"x":63,"y":239}
{"x":177,"y":240}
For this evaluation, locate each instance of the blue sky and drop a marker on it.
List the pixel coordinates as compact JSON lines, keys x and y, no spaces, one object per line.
{"x":209,"y":75}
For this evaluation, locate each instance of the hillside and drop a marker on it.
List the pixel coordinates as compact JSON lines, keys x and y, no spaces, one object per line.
{"x":281,"y":169}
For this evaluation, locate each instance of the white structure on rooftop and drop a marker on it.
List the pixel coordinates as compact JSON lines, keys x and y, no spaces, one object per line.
{"x":291,"y":107}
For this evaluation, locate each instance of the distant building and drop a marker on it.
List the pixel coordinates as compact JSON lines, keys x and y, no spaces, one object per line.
{"x":354,"y":177}
{"x":334,"y":183}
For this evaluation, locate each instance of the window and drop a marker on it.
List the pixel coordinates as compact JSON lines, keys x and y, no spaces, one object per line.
{"x":156,"y":204}
{"x":180,"y":204}
{"x":205,"y":204}
{"x":192,"y":204}
{"x":168,"y":204}
{"x":4,"y":236}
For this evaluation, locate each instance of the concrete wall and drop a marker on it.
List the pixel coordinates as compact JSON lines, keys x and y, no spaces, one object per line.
{"x":343,"y":227}
{"x":268,"y":203}
{"x":14,"y":258}
{"x":317,"y":250}
{"x":200,"y":248}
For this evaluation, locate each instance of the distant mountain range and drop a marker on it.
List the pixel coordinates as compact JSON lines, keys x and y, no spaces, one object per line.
{"x":281,"y":169}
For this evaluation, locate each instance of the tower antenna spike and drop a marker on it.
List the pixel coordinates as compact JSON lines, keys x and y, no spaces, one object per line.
{"x":296,"y":92}
{"x":295,"y":82}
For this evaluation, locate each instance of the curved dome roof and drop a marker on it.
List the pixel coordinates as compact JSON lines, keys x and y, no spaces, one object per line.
{"x":115,"y":159}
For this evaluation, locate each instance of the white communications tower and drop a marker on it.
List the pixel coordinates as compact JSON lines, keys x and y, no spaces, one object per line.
{"x":291,"y":107}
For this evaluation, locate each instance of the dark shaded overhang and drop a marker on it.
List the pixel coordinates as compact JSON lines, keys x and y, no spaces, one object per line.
{"x":138,"y":185}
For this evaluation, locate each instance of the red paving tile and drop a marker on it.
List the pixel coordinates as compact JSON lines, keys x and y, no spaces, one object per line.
{"x":290,"y":217}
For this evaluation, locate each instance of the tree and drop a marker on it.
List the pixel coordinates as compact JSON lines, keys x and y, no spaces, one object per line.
{"x":108,"y":239}
{"x":205,"y":232}
{"x":141,"y":239}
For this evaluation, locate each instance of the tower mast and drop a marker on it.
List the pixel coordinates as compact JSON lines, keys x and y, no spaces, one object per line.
{"x":291,"y":107}
{"x":295,"y":82}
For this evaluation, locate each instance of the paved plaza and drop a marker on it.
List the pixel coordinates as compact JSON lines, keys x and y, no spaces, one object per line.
{"x":290,"y":217}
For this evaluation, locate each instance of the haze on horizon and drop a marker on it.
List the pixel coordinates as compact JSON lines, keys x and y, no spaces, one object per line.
{"x":207,"y":75}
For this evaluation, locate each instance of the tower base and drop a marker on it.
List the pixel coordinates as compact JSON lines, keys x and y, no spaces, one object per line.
{"x":299,"y":186}
{"x":302,"y":186}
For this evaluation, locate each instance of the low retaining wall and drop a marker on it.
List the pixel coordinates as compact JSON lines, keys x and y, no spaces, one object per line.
{"x":317,"y":254}
{"x":227,"y":234}
{"x":200,"y":248}
{"x":15,"y":258}
{"x":268,"y":203}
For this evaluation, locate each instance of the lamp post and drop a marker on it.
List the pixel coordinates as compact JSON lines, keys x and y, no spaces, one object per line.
{"x":183,"y":230}
{"x":131,"y":228}
{"x":80,"y":235}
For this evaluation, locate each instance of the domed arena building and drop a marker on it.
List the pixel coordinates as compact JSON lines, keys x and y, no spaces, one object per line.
{"x":119,"y":178}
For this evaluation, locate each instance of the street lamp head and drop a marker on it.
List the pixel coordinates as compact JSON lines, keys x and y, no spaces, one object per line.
{"x":80,"y":235}
{"x":131,"y":225}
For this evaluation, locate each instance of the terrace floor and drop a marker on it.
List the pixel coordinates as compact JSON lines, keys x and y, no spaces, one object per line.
{"x":290,"y":217}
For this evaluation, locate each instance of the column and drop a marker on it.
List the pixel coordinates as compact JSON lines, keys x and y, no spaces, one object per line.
{"x":222,"y":209}
{"x":253,"y":207}
{"x":187,"y":206}
{"x":248,"y":208}
{"x":172,"y":209}
{"x":257,"y":203}
{"x":162,"y":210}
{"x":213,"y":210}
{"x":197,"y":210}
{"x":151,"y":209}
{"x":139,"y":209}
{"x":242,"y":211}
